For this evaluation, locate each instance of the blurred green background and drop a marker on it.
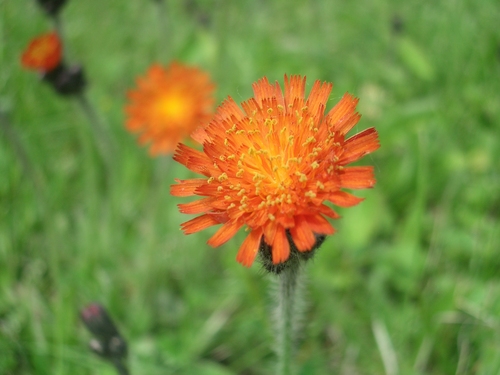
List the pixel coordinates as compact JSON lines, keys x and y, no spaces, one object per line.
{"x":409,"y":284}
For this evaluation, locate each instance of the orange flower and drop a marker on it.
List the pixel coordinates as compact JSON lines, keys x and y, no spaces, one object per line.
{"x":43,"y":53}
{"x":168,"y":105}
{"x":273,"y":166}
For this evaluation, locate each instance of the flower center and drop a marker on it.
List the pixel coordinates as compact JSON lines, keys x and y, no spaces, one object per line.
{"x":173,"y":108}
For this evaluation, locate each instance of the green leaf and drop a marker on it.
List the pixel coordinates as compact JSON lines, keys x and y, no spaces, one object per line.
{"x":415,"y":59}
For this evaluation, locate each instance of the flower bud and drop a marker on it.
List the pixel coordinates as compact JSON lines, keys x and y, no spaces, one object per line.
{"x":108,"y":342}
{"x":265,"y":254}
{"x":51,"y":7}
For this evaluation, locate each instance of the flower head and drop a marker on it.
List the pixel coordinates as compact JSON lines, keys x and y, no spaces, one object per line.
{"x":44,"y":53}
{"x":168,"y":105}
{"x":272,"y":166}
{"x":52,"y":7}
{"x":108,"y":343}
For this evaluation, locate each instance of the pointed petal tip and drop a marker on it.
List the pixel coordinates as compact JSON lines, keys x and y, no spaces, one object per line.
{"x":249,"y":248}
{"x":244,"y":262}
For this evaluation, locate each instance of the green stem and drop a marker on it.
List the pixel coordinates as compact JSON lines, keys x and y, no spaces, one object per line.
{"x":163,"y":27}
{"x":105,"y":143}
{"x":286,"y":319}
{"x":15,"y":141}
{"x":121,"y":367}
{"x":56,"y":19}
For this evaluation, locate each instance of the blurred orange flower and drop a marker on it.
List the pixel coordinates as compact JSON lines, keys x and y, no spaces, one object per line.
{"x":272,"y":166}
{"x":168,"y":105}
{"x":44,"y":53}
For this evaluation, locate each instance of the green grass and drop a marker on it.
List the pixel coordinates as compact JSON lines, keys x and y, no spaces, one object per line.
{"x":418,"y":259}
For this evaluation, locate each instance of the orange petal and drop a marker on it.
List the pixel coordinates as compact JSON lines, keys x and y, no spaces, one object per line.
{"x":319,"y":224}
{"x":270,"y":230}
{"x":199,"y":223}
{"x":328,"y":211}
{"x":359,"y":145}
{"x":294,"y":89}
{"x":249,"y":248}
{"x":257,"y":218}
{"x":343,"y":199}
{"x":302,"y":235}
{"x":199,"y":135}
{"x":133,"y":124}
{"x":196,"y":207}
{"x":357,"y":177}
{"x":280,"y":247}
{"x":227,"y":110}
{"x":193,"y":159}
{"x":343,"y":116}
{"x":286,"y":221}
{"x":224,"y":234}
{"x":317,"y":98}
{"x":263,"y":90}
{"x":186,"y":188}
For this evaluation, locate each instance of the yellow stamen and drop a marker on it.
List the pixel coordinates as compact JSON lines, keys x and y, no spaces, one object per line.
{"x":310,"y":194}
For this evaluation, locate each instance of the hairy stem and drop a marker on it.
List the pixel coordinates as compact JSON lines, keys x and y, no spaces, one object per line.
{"x":285,"y":315}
